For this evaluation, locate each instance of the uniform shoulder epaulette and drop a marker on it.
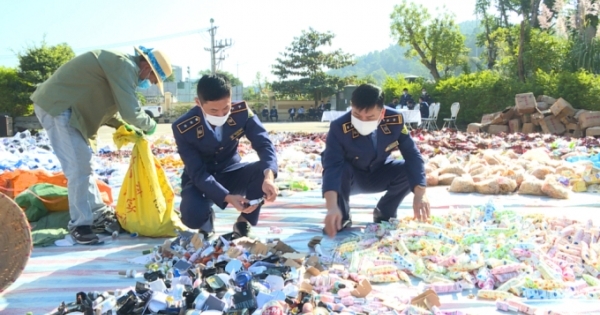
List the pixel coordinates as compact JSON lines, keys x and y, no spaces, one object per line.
{"x":393,"y":120}
{"x":241,"y":107}
{"x":347,"y":127}
{"x":188,"y":124}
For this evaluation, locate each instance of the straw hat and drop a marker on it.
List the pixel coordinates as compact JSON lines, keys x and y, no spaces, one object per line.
{"x":159,"y":62}
{"x":15,"y":241}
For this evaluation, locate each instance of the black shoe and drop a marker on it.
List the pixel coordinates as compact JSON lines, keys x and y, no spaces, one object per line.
{"x":378,"y":217}
{"x":242,"y":229}
{"x":84,"y":235}
{"x":345,"y":224}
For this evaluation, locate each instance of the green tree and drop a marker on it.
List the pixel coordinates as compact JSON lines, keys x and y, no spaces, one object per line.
{"x":234,"y":81}
{"x":36,"y":64}
{"x":260,"y":89}
{"x":170,"y":78}
{"x":10,"y":87}
{"x":304,"y":64}
{"x":437,"y":42}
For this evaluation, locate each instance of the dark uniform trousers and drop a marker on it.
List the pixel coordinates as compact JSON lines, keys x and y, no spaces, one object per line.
{"x":389,"y":177}
{"x":196,"y":209}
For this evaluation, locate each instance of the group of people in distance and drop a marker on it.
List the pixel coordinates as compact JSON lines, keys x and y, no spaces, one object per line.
{"x":406,"y":101}
{"x":99,"y":88}
{"x":300,"y":114}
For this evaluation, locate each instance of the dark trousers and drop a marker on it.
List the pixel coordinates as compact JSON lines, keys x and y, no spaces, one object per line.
{"x":390,"y":177}
{"x":196,"y":209}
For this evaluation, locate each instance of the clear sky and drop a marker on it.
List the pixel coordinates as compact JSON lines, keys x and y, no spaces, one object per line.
{"x":259,"y":29}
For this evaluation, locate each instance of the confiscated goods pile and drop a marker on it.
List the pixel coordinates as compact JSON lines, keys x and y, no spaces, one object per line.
{"x":494,"y":254}
{"x":546,"y":114}
{"x":532,"y":173}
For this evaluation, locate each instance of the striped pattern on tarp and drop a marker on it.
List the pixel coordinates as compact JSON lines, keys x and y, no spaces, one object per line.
{"x":56,"y":274}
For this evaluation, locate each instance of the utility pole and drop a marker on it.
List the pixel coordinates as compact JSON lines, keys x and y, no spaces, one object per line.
{"x":189,"y":85}
{"x":215,"y":48}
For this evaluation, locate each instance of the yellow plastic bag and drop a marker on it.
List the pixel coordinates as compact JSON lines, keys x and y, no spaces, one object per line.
{"x":146,"y":200}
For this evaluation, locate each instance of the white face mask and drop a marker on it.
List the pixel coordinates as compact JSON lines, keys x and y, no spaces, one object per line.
{"x":217,"y":121}
{"x":365,"y":128}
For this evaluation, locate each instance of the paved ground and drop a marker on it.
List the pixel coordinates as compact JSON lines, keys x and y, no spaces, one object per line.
{"x":105,"y":133}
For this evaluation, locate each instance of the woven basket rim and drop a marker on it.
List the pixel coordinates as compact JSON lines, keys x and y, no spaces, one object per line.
{"x":15,"y":239}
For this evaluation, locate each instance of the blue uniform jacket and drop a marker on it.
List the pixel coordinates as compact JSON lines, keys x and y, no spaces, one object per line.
{"x":203,"y":155}
{"x":345,"y":145}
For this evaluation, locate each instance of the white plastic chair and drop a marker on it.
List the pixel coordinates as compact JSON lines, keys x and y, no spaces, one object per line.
{"x":430,"y":123}
{"x":452,"y":120}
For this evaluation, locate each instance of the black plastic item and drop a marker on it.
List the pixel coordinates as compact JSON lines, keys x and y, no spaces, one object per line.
{"x":244,"y":299}
{"x":127,"y":303}
{"x":260,"y":276}
{"x":192,"y":275}
{"x":272,"y":259}
{"x":214,"y":284}
{"x":146,"y":296}
{"x":220,"y":266}
{"x":190,"y":296}
{"x":207,"y":272}
{"x":152,"y":276}
{"x":141,"y":287}
{"x":85,"y":303}
{"x":228,"y":237}
{"x":6,"y":126}
{"x":282,"y":271}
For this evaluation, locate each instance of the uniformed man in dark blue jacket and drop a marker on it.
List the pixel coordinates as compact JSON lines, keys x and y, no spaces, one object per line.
{"x":357,"y":160}
{"x":207,"y":139}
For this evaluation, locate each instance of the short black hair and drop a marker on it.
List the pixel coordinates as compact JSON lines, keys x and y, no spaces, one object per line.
{"x":367,"y":96}
{"x":405,"y":89}
{"x":213,"y":87}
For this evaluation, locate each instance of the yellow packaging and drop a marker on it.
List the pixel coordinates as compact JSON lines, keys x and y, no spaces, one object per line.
{"x":146,"y":200}
{"x":579,"y":185}
{"x":591,"y":175}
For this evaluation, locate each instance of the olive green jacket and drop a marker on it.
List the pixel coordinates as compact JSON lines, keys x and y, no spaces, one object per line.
{"x":95,"y":86}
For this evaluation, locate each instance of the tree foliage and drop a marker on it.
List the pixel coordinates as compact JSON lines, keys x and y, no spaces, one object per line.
{"x":302,"y":67}
{"x":234,"y":80}
{"x":437,"y":42}
{"x":10,"y":88}
{"x":36,"y":64}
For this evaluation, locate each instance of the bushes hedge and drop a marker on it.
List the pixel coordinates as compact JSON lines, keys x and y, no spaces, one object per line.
{"x":487,"y":91}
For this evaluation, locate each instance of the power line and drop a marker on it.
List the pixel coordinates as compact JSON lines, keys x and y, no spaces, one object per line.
{"x":133,"y":42}
{"x":215,"y":48}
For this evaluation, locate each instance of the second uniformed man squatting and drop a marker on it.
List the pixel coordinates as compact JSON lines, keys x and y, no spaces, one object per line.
{"x":207,"y":139}
{"x":357,"y":160}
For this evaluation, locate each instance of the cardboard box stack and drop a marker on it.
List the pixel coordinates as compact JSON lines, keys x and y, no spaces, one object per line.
{"x":542,"y":114}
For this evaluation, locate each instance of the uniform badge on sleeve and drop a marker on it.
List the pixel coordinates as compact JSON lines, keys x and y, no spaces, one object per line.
{"x":385,"y":129}
{"x":230,"y":121}
{"x":200,"y":132}
{"x":392,"y":146}
{"x":405,"y":130}
{"x":238,"y":134}
{"x":347,"y":127}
